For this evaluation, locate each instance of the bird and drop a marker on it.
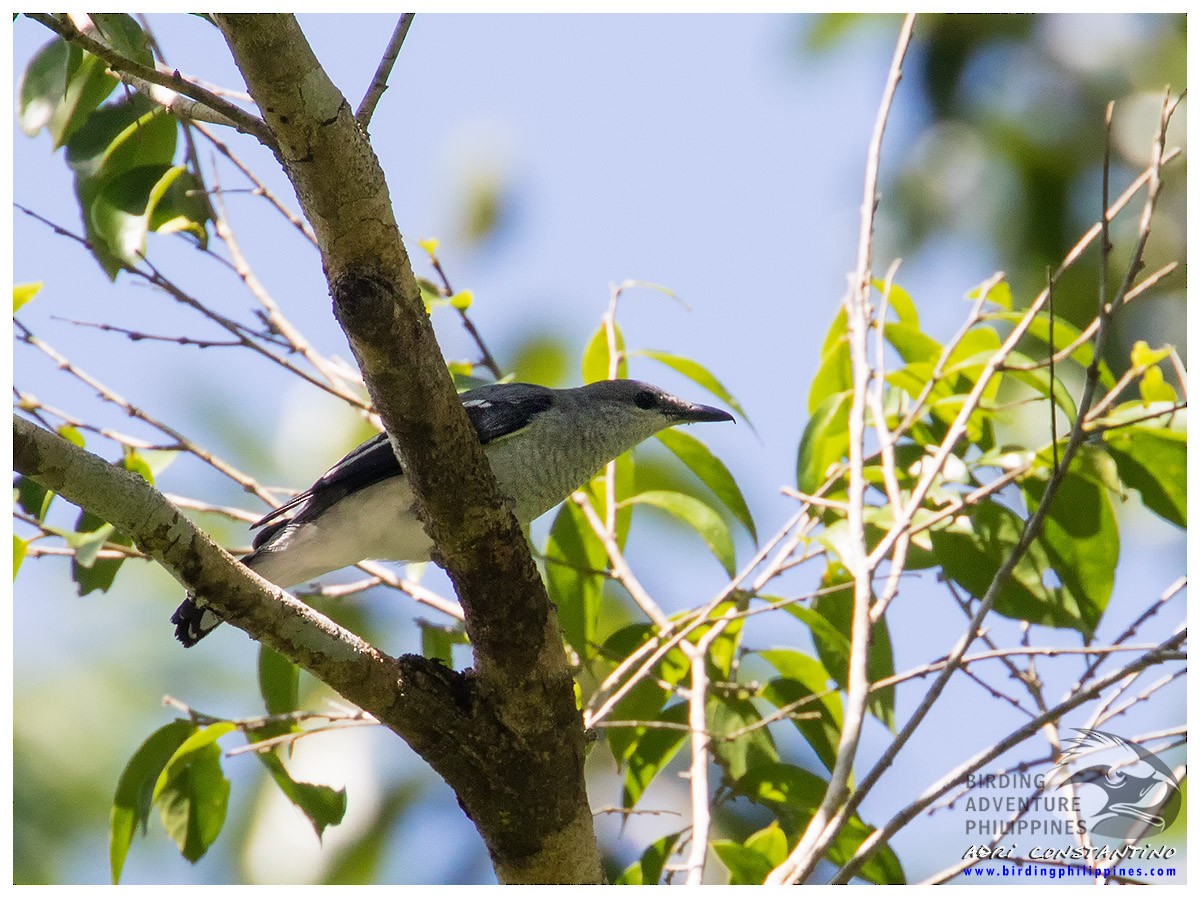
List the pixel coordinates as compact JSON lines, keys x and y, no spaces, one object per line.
{"x":542,"y":444}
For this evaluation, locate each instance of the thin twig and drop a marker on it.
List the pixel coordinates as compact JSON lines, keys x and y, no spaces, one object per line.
{"x":379,"y":83}
{"x":125,"y":67}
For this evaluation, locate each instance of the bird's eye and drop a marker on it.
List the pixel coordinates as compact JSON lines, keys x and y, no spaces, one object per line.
{"x":645,"y":400}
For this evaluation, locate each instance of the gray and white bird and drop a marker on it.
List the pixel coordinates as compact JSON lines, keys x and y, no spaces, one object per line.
{"x":542,"y":444}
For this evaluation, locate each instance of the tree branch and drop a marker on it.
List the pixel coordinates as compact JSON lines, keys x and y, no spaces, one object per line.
{"x":526,"y":791}
{"x":135,"y":72}
{"x":415,"y":698}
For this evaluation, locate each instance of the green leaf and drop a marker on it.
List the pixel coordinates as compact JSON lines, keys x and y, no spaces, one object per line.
{"x":19,"y":548}
{"x":573,"y":555}
{"x":971,"y":551}
{"x":1154,"y":389}
{"x":124,"y":35}
{"x":1039,"y":380}
{"x":825,"y":442}
{"x":901,"y":301}
{"x":999,"y":293}
{"x":913,"y":345}
{"x":650,"y":752}
{"x":88,"y":84}
{"x":43,"y":86}
{"x":646,"y":700}
{"x":135,"y":788}
{"x":834,"y":374}
{"x":795,"y":794}
{"x":837,"y":608}
{"x":192,"y":793}
{"x":1143,"y":357}
{"x":691,"y":369}
{"x":771,"y":842}
{"x":1153,"y":461}
{"x":436,"y":643}
{"x":804,"y":677}
{"x":596,"y":364}
{"x":709,"y":469}
{"x":728,"y":715}
{"x":745,"y":864}
{"x":1065,"y":334}
{"x":23,"y":293}
{"x":88,"y":571}
{"x":699,"y":516}
{"x":32,"y":497}
{"x":278,"y":681}
{"x":648,"y":869}
{"x":322,"y":805}
{"x":128,"y":207}
{"x":1081,"y":540}
{"x":121,"y":136}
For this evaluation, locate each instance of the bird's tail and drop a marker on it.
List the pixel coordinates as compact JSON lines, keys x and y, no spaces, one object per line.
{"x":193,"y":621}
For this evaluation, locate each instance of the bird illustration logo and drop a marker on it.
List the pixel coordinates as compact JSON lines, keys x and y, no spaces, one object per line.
{"x":1140,"y":794}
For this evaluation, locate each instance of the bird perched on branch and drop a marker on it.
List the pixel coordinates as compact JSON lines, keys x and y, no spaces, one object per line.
{"x":541,"y":443}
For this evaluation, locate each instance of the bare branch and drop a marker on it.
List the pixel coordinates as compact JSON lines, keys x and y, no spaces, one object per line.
{"x":379,"y":83}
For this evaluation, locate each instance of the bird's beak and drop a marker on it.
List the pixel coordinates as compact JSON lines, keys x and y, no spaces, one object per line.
{"x":694,"y":412}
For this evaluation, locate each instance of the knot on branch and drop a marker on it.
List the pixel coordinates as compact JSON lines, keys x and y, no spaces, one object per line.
{"x":362,"y":301}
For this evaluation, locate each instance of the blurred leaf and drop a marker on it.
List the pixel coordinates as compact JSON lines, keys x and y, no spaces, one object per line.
{"x":1143,"y":357}
{"x":573,"y":555}
{"x":913,"y":345}
{"x":192,"y":793}
{"x":322,"y":805}
{"x":648,"y":697}
{"x":691,"y":369}
{"x":648,"y":869}
{"x":651,"y":750}
{"x":710,"y":470}
{"x":462,"y":300}
{"x":795,"y":793}
{"x":819,"y":719}
{"x":540,"y":358}
{"x":32,"y":497}
{"x":901,"y":301}
{"x":71,"y":434}
{"x":1065,"y":334}
{"x":834,"y":376}
{"x":43,"y":86}
{"x":999,"y":293}
{"x":124,"y":35}
{"x":89,"y":572}
{"x":19,"y":548}
{"x":1039,"y":380}
{"x":745,"y":864}
{"x":436,"y":644}
{"x":1153,"y":461}
{"x":23,"y":293}
{"x":1082,"y":541}
{"x":359,"y":860}
{"x":430,"y":245}
{"x":135,"y":789}
{"x":596,"y":355}
{"x":972,"y":549}
{"x":826,"y":440}
{"x":728,"y":715}
{"x":771,"y":842}
{"x":61,"y":87}
{"x":1154,"y":388}
{"x":838,"y":609}
{"x":278,"y":682}
{"x":699,"y":516}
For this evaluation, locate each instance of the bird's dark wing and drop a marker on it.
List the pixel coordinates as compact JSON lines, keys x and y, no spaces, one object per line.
{"x":496,"y":412}
{"x":370,"y":462}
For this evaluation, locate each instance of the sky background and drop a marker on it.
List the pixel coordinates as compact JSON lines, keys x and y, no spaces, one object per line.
{"x":703,"y":153}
